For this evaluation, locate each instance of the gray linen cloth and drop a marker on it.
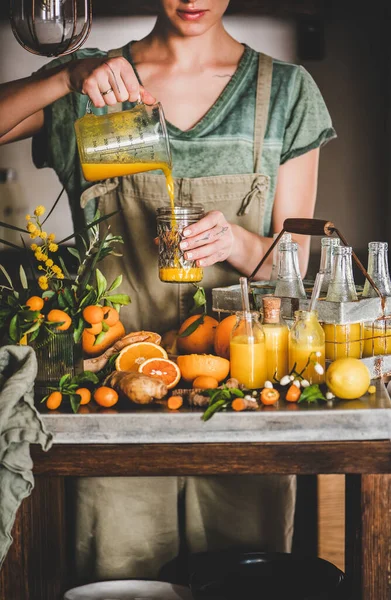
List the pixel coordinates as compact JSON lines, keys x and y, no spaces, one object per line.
{"x":20,"y":426}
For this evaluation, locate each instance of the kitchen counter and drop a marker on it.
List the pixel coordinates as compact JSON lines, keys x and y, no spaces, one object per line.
{"x":366,"y":419}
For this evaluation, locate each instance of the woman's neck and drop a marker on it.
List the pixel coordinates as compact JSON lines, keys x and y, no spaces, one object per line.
{"x":162,"y":45}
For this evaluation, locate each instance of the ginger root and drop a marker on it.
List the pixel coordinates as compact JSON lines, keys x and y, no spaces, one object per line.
{"x":139,"y":388}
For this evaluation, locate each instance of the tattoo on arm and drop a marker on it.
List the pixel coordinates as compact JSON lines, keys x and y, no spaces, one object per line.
{"x":205,"y":238}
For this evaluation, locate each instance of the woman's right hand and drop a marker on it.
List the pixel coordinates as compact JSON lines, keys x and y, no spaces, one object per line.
{"x":106,"y":81}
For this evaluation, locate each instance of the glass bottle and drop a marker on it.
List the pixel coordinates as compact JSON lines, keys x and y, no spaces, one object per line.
{"x":248,"y":351}
{"x":342,"y":340}
{"x":327,"y":261}
{"x":173,"y":267}
{"x":276,"y":338}
{"x":377,"y":337}
{"x":286,"y":237}
{"x":378,"y":270}
{"x":307,"y":346}
{"x":289,"y":283}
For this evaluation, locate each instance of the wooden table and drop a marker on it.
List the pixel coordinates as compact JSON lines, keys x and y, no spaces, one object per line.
{"x":36,"y":567}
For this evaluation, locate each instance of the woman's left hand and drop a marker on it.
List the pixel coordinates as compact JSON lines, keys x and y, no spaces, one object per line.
{"x":208,"y":241}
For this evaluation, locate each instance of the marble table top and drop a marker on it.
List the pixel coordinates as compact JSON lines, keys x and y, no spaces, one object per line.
{"x":368,"y":418}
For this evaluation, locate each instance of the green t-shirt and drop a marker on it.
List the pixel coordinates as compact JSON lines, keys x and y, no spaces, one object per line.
{"x":221,"y":143}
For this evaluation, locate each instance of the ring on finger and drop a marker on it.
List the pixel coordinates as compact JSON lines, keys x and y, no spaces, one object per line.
{"x":107,"y":91}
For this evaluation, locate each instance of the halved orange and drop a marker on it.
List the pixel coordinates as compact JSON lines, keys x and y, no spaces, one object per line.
{"x":134,"y":355}
{"x":161,"y":368}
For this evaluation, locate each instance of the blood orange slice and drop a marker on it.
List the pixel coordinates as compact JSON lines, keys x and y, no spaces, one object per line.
{"x":162,"y":368}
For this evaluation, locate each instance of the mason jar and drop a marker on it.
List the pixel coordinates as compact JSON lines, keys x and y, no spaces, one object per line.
{"x":173,"y":267}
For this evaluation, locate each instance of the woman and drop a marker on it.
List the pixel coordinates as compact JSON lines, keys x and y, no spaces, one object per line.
{"x":245,"y":132}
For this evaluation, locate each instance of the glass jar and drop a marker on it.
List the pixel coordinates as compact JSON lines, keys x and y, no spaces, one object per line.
{"x":342,"y":339}
{"x":289,"y":283}
{"x":173,"y":267}
{"x":307,"y":346}
{"x":378,"y":270}
{"x":327,"y":261}
{"x":248,"y":351}
{"x":276,"y":338}
{"x":56,"y":356}
{"x":286,"y":237}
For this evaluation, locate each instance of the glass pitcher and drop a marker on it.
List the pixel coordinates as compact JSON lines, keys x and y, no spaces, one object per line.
{"x":123,"y":143}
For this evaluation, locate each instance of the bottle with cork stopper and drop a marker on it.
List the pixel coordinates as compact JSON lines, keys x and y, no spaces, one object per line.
{"x":276,"y":338}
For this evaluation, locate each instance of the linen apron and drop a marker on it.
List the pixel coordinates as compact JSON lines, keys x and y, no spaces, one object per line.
{"x":129,"y":527}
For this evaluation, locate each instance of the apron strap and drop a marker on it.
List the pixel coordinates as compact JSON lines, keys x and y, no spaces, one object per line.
{"x":114,"y":54}
{"x":265,"y":72}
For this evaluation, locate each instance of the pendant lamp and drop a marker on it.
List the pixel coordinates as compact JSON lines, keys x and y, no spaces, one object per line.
{"x":51,"y":27}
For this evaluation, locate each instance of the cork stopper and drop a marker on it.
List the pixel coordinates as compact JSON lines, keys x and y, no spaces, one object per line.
{"x":271,"y":309}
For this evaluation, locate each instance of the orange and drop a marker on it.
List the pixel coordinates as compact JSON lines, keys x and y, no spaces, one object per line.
{"x":85,"y":395}
{"x":111,"y":316}
{"x":35,"y":303}
{"x":193,"y":365}
{"x":105,"y":396}
{"x":132,"y":356}
{"x":205,"y":382}
{"x":161,"y":368}
{"x":59,"y":315}
{"x":201,"y":340}
{"x":223,"y":336}
{"x":111,"y":336}
{"x":94,"y":329}
{"x":93,"y":313}
{"x":54,"y":400}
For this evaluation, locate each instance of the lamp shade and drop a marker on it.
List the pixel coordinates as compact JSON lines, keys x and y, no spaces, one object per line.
{"x":51,"y":27}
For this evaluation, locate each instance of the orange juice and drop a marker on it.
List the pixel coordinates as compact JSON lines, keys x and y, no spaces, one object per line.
{"x":248,"y":361}
{"x":98,"y":171}
{"x":377,"y":339}
{"x":276,"y":340}
{"x":343,"y":340}
{"x":178,"y":274}
{"x":301,"y":355}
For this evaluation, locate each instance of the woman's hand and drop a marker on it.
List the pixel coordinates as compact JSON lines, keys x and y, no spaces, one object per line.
{"x":106,"y":81}
{"x":208,"y":241}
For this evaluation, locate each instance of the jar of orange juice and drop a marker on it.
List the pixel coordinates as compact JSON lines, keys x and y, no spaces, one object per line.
{"x":173,"y":267}
{"x":307,"y":346}
{"x":248,"y":351}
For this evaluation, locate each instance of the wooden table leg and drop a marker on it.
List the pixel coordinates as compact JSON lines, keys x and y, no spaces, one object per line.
{"x":368,"y":536}
{"x":36,"y":565}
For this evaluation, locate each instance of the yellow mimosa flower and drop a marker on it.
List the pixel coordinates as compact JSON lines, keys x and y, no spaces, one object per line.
{"x":43,"y":235}
{"x":49,"y":262}
{"x":39,"y":211}
{"x":34,"y":247}
{"x":53,"y":247}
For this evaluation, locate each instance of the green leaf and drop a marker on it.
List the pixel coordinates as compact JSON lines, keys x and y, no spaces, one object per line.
{"x":63,"y":267}
{"x":13,"y":227}
{"x":101,"y":282}
{"x":78,"y":331}
{"x":14,"y":329}
{"x":211,"y":410}
{"x":8,"y":278}
{"x":116,"y":283}
{"x":99,"y":338}
{"x":74,"y":253}
{"x":87,"y":377}
{"x":105,"y":327}
{"x":48,"y":294}
{"x":23,"y":278}
{"x":312,"y":393}
{"x":237,"y":393}
{"x":122,"y":299}
{"x":69,"y":297}
{"x":33,"y":328}
{"x":45,"y":398}
{"x":75,"y":400}
{"x":89,"y":226}
{"x":199,"y":299}
{"x":192,"y":327}
{"x":63,"y":380}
